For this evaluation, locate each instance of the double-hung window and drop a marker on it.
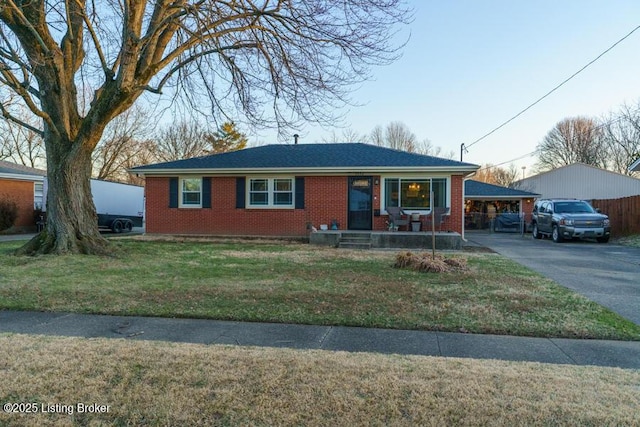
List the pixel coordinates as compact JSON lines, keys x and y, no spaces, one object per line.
{"x":415,"y":193}
{"x":191,"y":192}
{"x":271,"y":192}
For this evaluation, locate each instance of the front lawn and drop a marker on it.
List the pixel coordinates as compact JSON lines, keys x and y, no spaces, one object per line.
{"x":296,"y":283}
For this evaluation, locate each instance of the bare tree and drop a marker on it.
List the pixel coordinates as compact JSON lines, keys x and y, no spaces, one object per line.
{"x":279,"y":62}
{"x":181,"y":140}
{"x":622,"y":138}
{"x":22,"y":145}
{"x":573,"y":140}
{"x":122,"y":146}
{"x":426,"y":147}
{"x":347,"y":135}
{"x":497,"y":175}
{"x":395,"y":135}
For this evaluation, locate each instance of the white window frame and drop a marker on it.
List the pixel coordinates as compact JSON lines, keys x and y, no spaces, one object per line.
{"x":430,"y":178}
{"x":181,"y":193}
{"x":38,"y":195}
{"x":271,"y":192}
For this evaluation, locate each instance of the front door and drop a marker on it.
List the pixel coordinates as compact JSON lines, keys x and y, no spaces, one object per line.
{"x":360,"y":203}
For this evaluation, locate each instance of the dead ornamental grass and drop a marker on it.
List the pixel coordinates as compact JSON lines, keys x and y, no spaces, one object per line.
{"x":156,"y":383}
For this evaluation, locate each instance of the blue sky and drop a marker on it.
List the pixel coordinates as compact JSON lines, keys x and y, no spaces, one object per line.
{"x":471,"y":65}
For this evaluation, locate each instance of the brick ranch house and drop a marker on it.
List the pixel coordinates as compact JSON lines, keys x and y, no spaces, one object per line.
{"x":283,"y":190}
{"x":25,"y":187}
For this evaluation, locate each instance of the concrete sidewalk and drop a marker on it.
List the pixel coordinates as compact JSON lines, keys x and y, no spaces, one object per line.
{"x":563,"y":351}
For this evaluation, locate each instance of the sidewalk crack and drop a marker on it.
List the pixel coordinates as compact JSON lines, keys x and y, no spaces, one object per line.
{"x":575,"y":362}
{"x":324,"y":337}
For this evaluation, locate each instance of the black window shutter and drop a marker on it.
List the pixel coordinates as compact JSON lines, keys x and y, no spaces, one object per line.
{"x":206,"y":192}
{"x":240,"y":193}
{"x":173,"y":192}
{"x":299,"y":192}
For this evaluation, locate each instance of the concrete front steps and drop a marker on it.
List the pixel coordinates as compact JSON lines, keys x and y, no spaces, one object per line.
{"x":355,"y":241}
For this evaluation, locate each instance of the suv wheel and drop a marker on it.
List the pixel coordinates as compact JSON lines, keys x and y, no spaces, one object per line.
{"x":535,"y":233}
{"x":555,"y":234}
{"x":603,"y":239}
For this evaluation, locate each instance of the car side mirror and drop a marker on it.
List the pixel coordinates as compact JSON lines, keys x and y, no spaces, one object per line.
{"x":598,"y":210}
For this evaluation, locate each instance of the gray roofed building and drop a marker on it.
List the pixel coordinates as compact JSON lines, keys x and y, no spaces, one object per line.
{"x":13,"y":170}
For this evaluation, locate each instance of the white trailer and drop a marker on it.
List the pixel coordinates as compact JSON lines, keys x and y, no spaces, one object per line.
{"x":120,"y":207}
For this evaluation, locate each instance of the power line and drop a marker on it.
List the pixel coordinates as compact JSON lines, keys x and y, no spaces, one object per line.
{"x":600,"y":126}
{"x":508,"y":161}
{"x":465,"y":147}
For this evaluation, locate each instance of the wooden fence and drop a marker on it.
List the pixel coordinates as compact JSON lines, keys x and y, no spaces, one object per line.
{"x":624,"y":214}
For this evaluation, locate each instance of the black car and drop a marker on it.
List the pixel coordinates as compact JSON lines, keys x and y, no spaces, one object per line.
{"x":567,"y":219}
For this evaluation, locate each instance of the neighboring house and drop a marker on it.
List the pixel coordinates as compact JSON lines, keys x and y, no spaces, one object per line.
{"x":487,"y":204}
{"x":24,"y":186}
{"x":284,"y":190}
{"x":581,"y":181}
{"x":635,"y":166}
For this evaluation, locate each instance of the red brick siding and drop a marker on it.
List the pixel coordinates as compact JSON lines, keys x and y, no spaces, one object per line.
{"x":21,"y":192}
{"x":527,"y":207}
{"x":325,"y":201}
{"x":453,"y":222}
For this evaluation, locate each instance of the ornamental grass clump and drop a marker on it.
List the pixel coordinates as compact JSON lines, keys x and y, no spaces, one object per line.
{"x":426,"y":262}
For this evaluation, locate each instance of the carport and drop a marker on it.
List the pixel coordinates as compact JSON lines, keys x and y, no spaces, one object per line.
{"x":496,"y":208}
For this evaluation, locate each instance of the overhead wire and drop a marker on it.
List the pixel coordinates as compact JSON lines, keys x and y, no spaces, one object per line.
{"x":600,"y":126}
{"x":466,"y":146}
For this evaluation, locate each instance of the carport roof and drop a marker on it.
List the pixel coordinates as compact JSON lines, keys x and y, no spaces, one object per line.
{"x":481,"y":190}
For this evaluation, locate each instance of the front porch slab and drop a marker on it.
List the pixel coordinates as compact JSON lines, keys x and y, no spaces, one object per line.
{"x":388,"y":239}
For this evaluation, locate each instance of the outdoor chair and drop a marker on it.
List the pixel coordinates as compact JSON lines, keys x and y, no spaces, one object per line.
{"x":395,"y":217}
{"x":439,"y":215}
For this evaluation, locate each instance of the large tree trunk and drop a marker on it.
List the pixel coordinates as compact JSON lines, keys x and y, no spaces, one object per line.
{"x":72,"y":223}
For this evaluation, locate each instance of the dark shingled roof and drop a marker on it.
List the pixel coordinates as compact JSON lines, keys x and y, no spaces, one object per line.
{"x":482,"y":189}
{"x":308,"y":156}
{"x":14,"y":169}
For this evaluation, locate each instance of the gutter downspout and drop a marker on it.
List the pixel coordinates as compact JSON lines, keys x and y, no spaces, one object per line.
{"x":464,"y":178}
{"x":462,"y":210}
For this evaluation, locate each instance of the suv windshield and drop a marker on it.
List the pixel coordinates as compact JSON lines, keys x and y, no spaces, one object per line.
{"x":573,"y":207}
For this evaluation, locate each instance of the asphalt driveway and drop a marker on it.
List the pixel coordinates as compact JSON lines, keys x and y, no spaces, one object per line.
{"x":608,"y":274}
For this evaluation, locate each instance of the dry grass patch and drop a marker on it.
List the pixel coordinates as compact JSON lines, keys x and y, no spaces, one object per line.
{"x":155,"y":383}
{"x":430,"y":263}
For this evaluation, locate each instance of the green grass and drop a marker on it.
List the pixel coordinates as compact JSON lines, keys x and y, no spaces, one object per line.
{"x":253,"y":281}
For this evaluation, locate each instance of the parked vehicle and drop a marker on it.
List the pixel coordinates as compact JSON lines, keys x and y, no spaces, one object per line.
{"x":568,"y":219}
{"x":120,"y":207}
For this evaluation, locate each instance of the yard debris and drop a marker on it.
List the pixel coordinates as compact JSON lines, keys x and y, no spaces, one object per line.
{"x":426,"y":262}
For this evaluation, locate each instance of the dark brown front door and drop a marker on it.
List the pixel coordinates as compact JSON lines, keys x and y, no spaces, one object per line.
{"x":360,"y":203}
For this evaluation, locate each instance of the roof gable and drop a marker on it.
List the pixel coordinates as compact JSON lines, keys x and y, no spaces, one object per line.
{"x":581,"y":167}
{"x":309,"y":156}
